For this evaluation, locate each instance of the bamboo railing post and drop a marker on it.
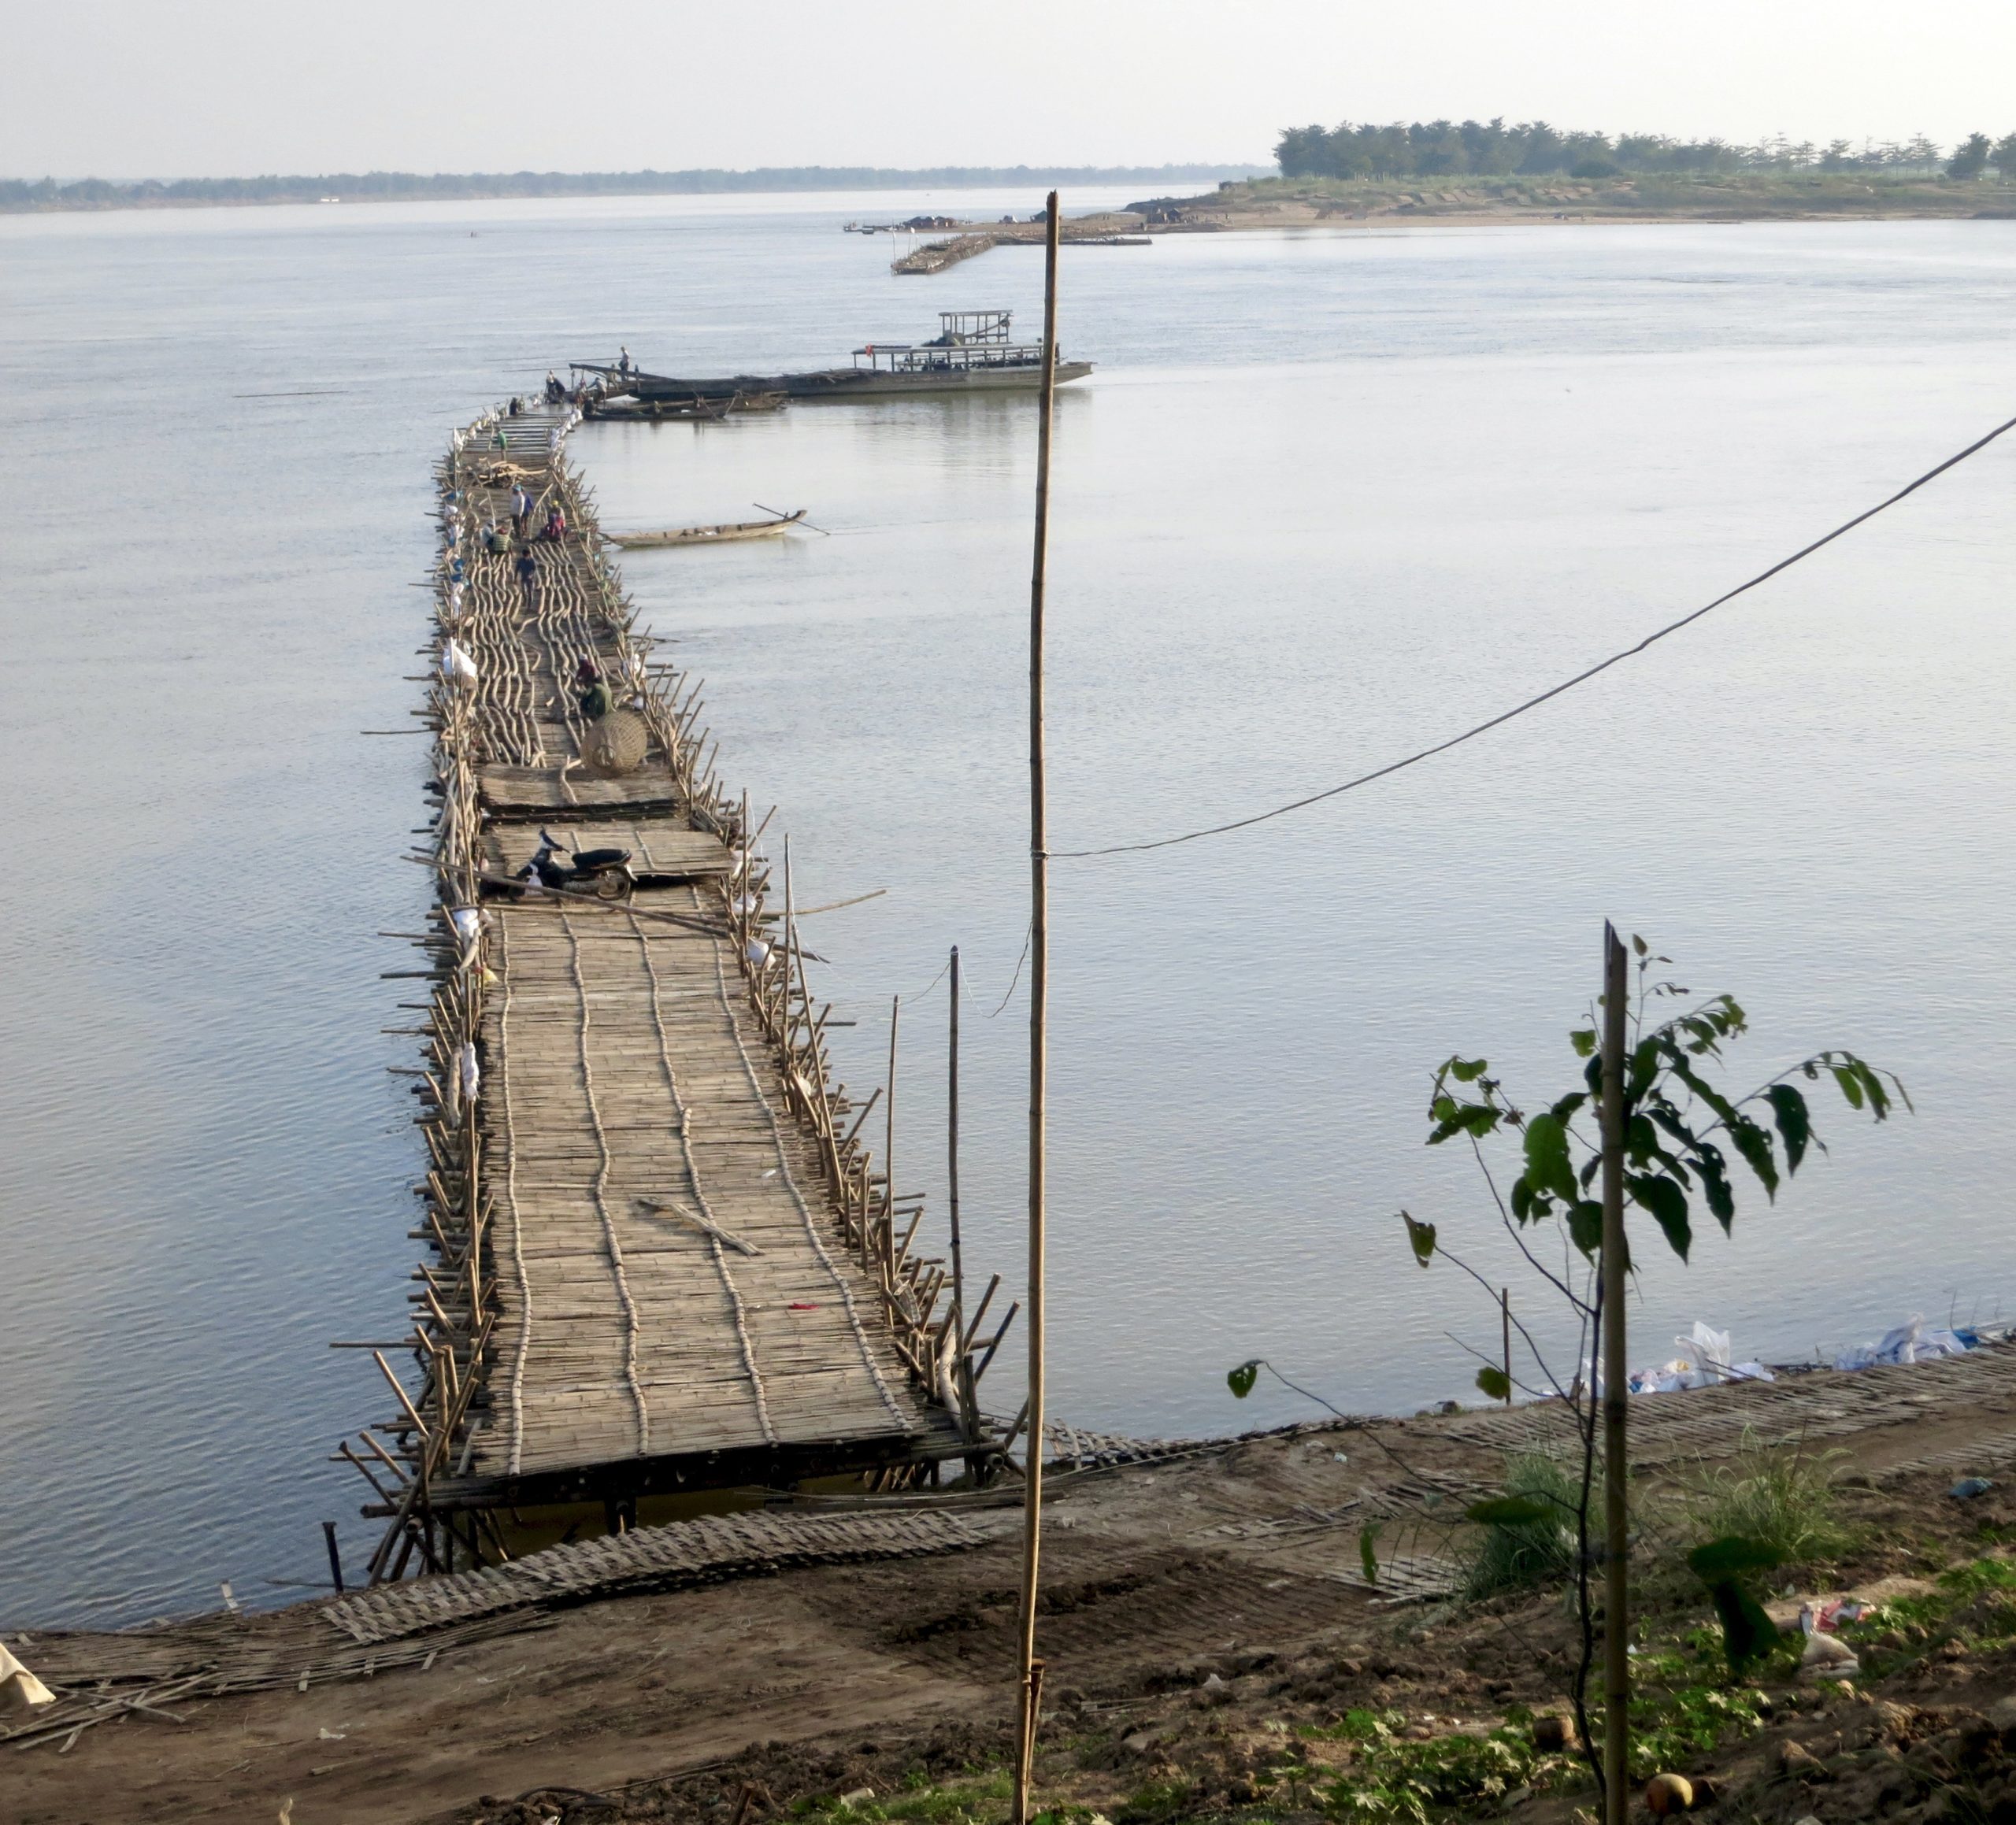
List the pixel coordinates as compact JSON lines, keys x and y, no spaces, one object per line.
{"x":1030,"y":1669}
{"x":1617,"y":1541}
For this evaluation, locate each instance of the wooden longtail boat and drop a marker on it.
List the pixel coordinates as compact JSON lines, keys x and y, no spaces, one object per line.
{"x":724,"y":534}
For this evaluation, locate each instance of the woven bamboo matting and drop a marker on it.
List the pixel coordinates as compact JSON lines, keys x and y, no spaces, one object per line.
{"x":702,"y":1550}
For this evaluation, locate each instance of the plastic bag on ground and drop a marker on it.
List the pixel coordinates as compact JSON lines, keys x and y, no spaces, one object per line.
{"x":19,"y":1690}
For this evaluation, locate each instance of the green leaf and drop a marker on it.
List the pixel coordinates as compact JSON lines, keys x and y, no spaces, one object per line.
{"x":1585,"y":1226}
{"x":1715,"y":1184}
{"x":1731,"y":1554}
{"x":1548,"y":1166}
{"x":1795,"y":1123}
{"x":1755,"y":1145}
{"x":1669,"y":1118}
{"x":1241,"y":1380}
{"x":1683,"y":1070}
{"x":1510,"y":1511}
{"x":1748,"y":1634}
{"x":1639,"y":945}
{"x":1851,"y":1083}
{"x":1583,"y":1040}
{"x":1879,"y":1098}
{"x":1494,"y":1384}
{"x":1668,"y":1204}
{"x":1568,"y":1105}
{"x":1467,"y":1070}
{"x":1643,"y":1067}
{"x":1368,"y":1553}
{"x":1522,"y":1199}
{"x":1455,"y":1118}
{"x":1421,"y":1238}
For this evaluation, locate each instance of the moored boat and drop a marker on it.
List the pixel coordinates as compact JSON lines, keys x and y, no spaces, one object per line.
{"x":727,"y":534}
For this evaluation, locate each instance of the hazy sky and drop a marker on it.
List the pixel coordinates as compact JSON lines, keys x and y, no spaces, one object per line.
{"x":132,"y":88}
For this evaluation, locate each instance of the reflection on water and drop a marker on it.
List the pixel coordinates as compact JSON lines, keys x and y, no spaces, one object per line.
{"x":1325,"y":496}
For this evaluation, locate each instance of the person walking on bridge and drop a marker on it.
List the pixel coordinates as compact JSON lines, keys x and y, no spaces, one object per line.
{"x":528,"y":569}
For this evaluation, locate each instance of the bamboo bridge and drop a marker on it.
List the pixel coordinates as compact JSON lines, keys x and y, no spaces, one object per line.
{"x":661,"y":1259}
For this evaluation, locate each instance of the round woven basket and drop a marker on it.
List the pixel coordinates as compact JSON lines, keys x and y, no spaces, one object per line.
{"x":618,"y":743}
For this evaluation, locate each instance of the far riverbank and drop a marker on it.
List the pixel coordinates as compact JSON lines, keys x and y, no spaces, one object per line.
{"x":1641,"y":197}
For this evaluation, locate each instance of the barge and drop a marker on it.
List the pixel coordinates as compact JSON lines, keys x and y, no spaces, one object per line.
{"x":974,"y":352}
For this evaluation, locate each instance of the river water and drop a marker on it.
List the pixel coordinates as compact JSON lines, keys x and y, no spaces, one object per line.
{"x":1329,"y":496}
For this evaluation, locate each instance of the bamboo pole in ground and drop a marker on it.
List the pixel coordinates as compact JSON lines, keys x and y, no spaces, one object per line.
{"x":1617,"y":1546}
{"x":1030,"y":1669}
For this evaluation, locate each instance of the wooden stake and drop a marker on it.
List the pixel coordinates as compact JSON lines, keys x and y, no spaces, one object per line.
{"x":1617,"y":1545}
{"x":1039,"y":1040}
{"x":1505,"y":1312}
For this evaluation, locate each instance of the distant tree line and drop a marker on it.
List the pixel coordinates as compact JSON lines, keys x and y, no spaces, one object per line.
{"x":93,"y":192}
{"x":1532,"y":148}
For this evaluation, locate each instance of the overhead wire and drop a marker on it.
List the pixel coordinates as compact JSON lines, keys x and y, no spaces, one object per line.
{"x":1553,"y":691}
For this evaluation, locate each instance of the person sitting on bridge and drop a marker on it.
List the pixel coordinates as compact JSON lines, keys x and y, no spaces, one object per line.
{"x":494,"y":539}
{"x":556,"y":525}
{"x":595,"y":701}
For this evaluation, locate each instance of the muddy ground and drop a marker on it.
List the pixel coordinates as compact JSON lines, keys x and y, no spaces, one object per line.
{"x":1213,"y":1651}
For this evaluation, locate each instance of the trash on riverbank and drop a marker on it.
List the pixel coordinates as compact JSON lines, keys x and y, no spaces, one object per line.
{"x":1909,"y":1342}
{"x":1707,"y":1364}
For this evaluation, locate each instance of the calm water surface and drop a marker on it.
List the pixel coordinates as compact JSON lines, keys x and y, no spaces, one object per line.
{"x":1327,"y":497}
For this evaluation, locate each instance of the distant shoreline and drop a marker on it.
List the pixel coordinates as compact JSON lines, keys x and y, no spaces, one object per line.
{"x":49,"y":196}
{"x":1470,"y":201}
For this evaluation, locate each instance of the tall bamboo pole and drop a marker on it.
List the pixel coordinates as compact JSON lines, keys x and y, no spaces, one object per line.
{"x":1031,"y":1668}
{"x":1617,"y":1544}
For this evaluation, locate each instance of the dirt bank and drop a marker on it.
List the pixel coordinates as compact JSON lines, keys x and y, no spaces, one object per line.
{"x":1212,"y":1643}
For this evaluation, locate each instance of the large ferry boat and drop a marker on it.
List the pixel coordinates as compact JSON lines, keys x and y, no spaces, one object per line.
{"x":974,"y":352}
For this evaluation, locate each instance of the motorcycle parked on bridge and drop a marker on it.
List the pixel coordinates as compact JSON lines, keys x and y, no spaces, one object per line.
{"x":606,"y":873}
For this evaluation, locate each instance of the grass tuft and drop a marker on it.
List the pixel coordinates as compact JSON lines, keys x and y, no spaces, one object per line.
{"x":1525,"y":1556}
{"x":1781,"y":1495}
